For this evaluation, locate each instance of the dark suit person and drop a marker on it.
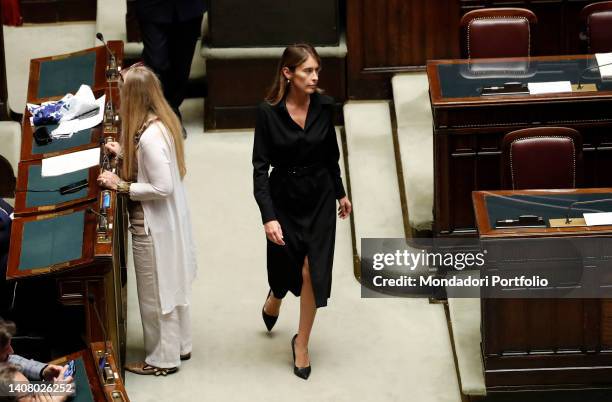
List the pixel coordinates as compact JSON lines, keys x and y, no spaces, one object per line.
{"x":5,"y":236}
{"x":170,"y":30}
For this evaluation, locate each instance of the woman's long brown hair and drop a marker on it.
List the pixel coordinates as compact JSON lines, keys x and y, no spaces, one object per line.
{"x":141,"y":95}
{"x":293,"y":56}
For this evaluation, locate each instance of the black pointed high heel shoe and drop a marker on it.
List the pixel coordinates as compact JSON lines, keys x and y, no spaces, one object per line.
{"x":302,"y":372}
{"x":269,"y":320}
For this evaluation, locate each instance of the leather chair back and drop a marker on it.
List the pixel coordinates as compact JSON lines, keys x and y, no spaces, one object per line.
{"x":497,"y":32}
{"x":542,"y":158}
{"x":596,"y":20}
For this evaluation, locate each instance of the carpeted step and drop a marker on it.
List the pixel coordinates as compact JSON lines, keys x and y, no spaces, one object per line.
{"x":372,"y":169}
{"x":10,"y":138}
{"x":415,"y":138}
{"x":465,"y":322}
{"x":39,"y":40}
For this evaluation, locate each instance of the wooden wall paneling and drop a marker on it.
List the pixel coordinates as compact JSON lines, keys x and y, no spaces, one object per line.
{"x":597,"y":151}
{"x":592,"y":325}
{"x":442,"y":205}
{"x":462,"y":169}
{"x":598,"y":159}
{"x":270,"y":23}
{"x":251,"y":78}
{"x":489,"y":343}
{"x":558,"y":26}
{"x":569,"y":337}
{"x":386,"y":37}
{"x":375,"y":33}
{"x":572,"y":30}
{"x":49,"y":11}
{"x":473,"y":160}
{"x":442,"y":30}
{"x":509,"y":323}
{"x":546,"y":40}
{"x":38,"y":11}
{"x":394,"y":32}
{"x":606,"y":328}
{"x":489,"y":154}
{"x":77,"y":10}
{"x":361,"y":50}
{"x":541,"y":324}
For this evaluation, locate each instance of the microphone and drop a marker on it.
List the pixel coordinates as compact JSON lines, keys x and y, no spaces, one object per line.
{"x":100,"y":37}
{"x":579,"y":86}
{"x":92,"y":300}
{"x":112,"y":70}
{"x":569,"y":209}
{"x":103,"y":221}
{"x":103,"y":366}
{"x":92,"y":211}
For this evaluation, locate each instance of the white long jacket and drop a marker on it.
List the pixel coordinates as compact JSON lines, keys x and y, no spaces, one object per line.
{"x":166,"y":214}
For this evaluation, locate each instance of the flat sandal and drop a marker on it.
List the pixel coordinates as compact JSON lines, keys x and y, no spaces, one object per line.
{"x":143,"y":368}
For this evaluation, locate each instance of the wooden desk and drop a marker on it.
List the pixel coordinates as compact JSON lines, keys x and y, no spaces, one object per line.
{"x":96,"y":278}
{"x":70,"y":84}
{"x":546,"y":341}
{"x":104,"y":385}
{"x":468,"y":128}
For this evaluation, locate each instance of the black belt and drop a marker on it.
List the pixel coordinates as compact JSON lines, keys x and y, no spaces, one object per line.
{"x":298,"y":170}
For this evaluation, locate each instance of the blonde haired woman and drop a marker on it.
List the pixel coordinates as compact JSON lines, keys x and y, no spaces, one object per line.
{"x":152,"y":171}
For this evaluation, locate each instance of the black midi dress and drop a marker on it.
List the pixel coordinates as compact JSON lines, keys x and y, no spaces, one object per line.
{"x":300,"y":192}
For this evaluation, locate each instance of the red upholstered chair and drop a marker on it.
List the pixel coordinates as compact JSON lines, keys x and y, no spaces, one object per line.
{"x":596,"y":20}
{"x":497,"y":32}
{"x":541,"y":158}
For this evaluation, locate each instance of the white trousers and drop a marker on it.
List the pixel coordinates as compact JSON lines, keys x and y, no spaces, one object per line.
{"x":166,"y":336}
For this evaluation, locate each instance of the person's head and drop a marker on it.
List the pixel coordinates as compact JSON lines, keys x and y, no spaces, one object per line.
{"x":10,"y":374}
{"x":299,"y":69}
{"x":142,"y":95}
{"x":7,"y":330}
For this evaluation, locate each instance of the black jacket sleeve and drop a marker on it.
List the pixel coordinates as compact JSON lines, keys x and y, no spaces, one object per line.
{"x":261,"y":166}
{"x":333,"y":156}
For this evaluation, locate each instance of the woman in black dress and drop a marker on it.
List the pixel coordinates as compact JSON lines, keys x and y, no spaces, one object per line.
{"x":296,"y":136}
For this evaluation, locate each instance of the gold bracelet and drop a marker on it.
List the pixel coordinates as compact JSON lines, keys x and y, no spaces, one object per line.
{"x":123,"y":187}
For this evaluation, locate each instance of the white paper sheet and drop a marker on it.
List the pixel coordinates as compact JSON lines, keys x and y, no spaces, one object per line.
{"x":81,"y":102}
{"x":69,"y":127}
{"x":59,"y":165}
{"x":604,"y":71}
{"x":598,"y":218}
{"x":537,"y":88}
